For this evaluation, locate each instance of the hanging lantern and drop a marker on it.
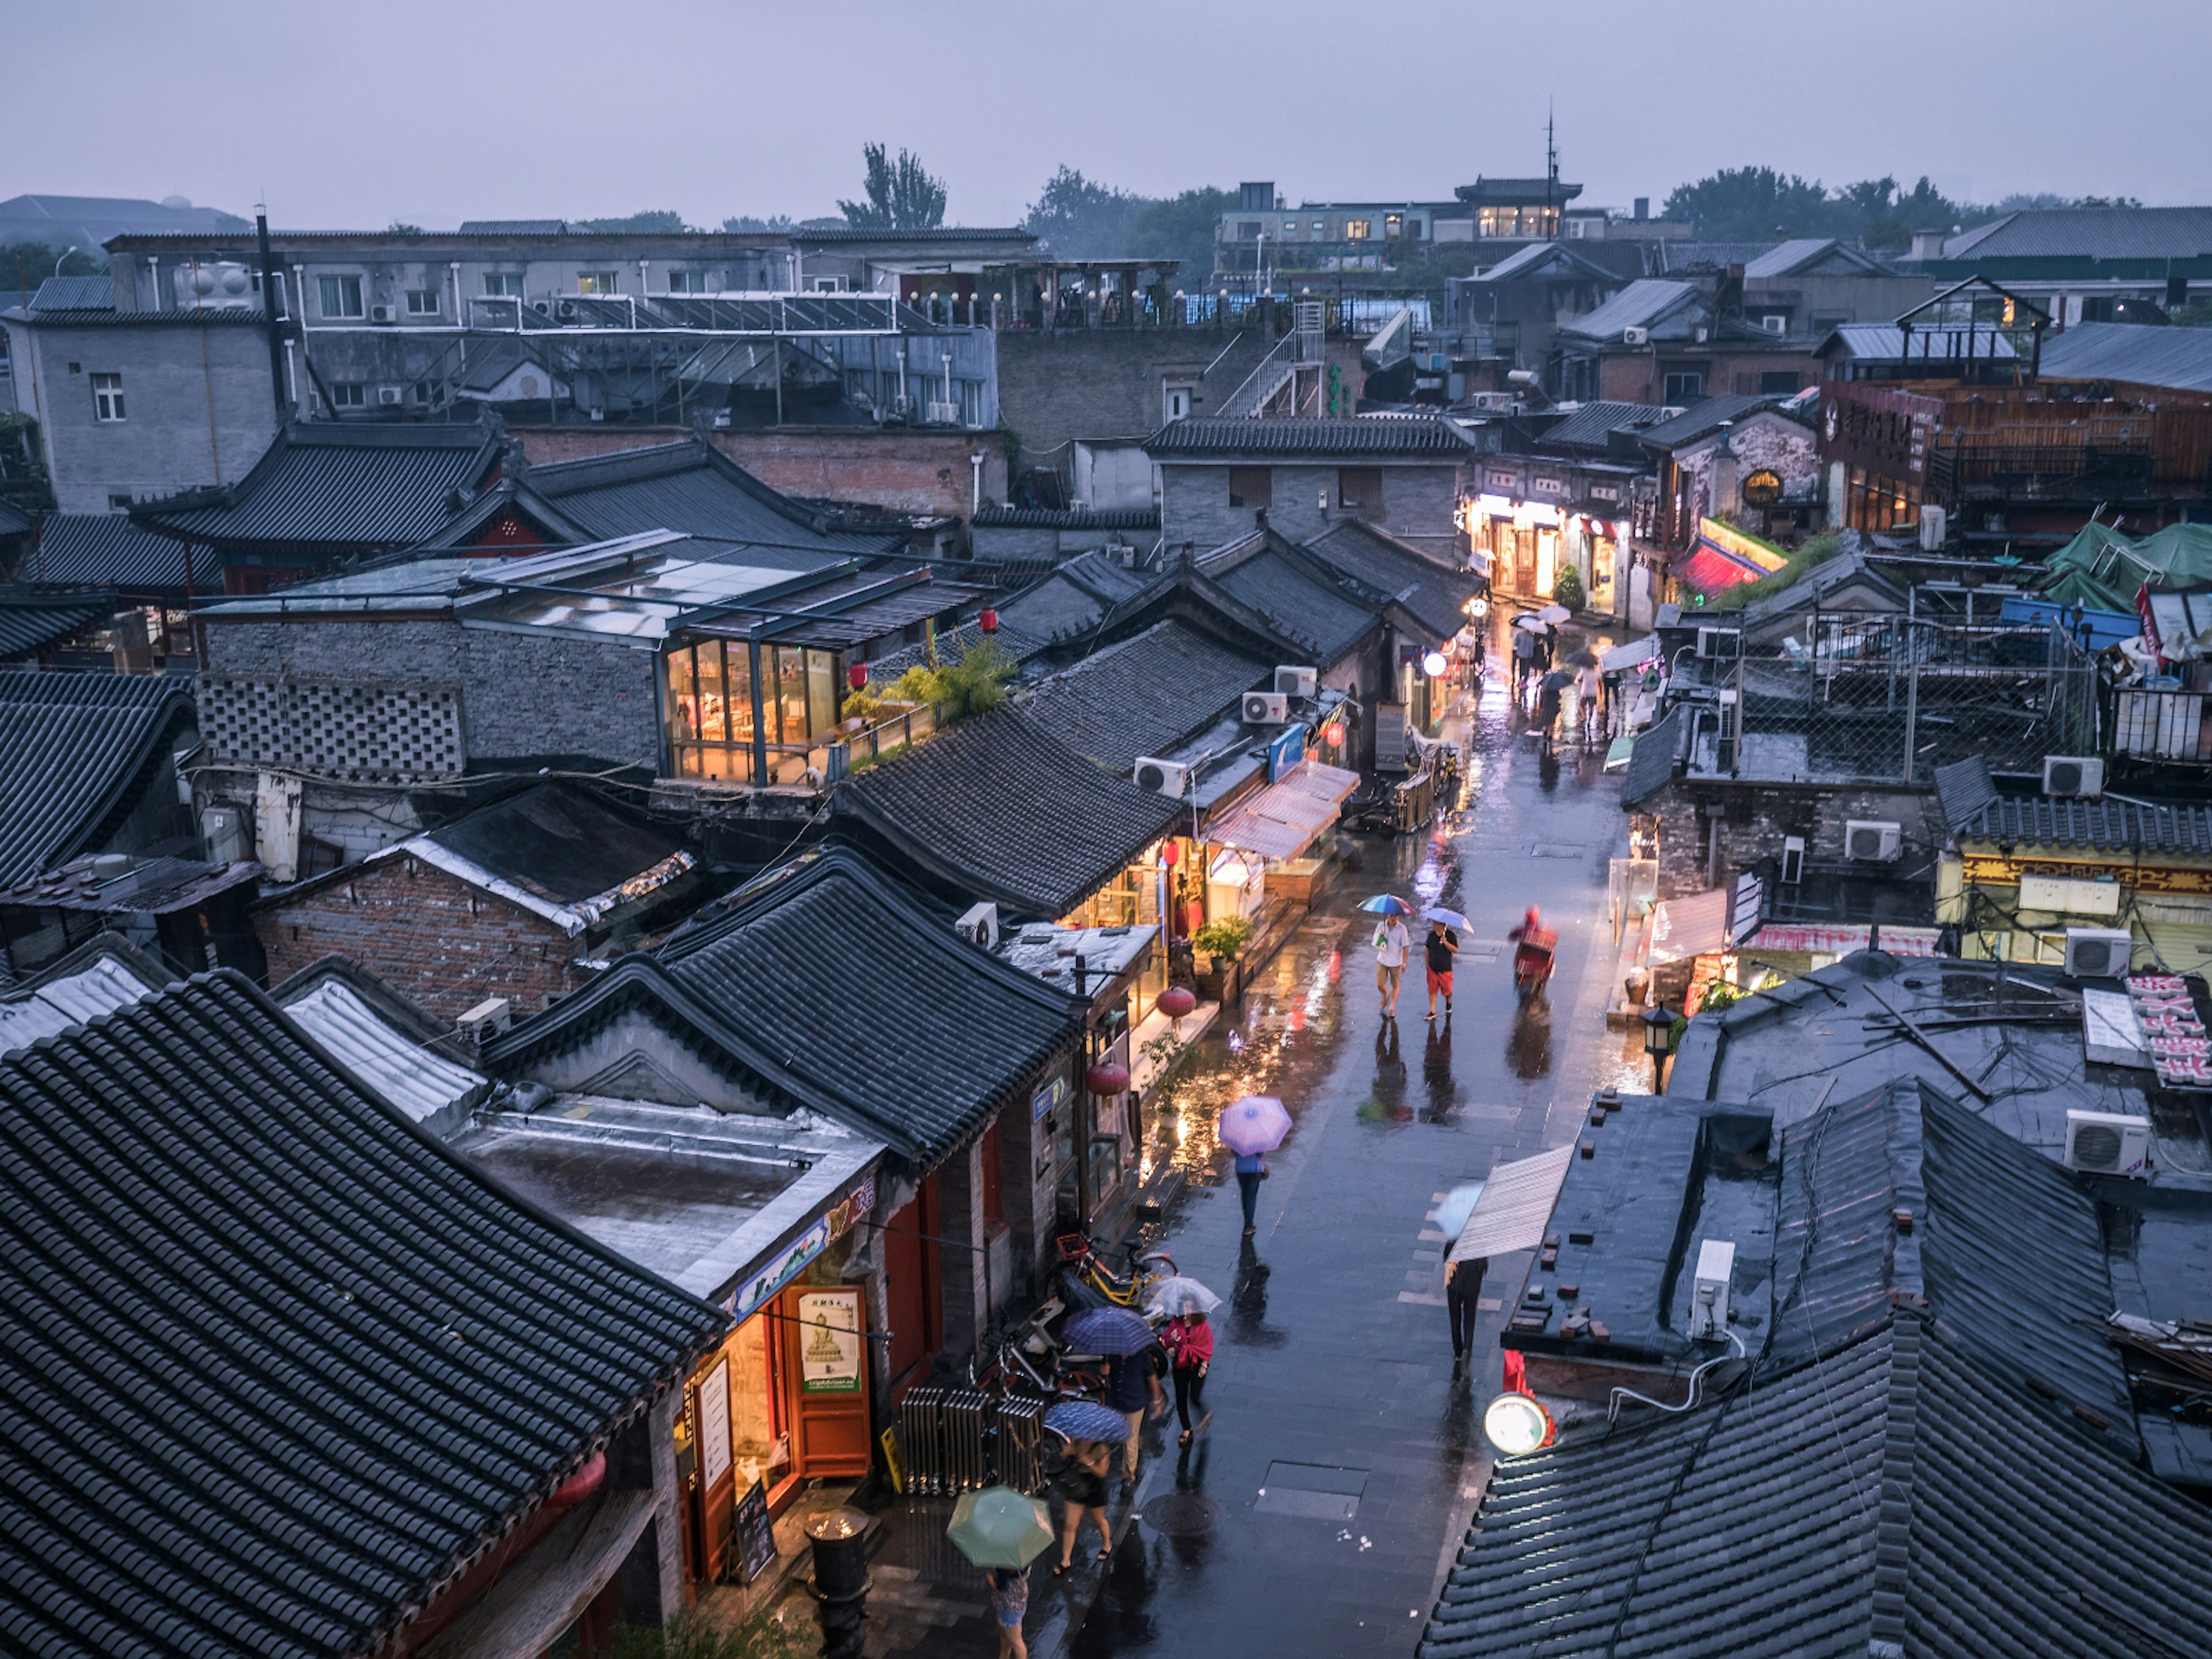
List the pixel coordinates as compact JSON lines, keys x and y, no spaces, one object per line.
{"x":1177,"y":1002}
{"x":987,"y":620}
{"x":1108,"y":1079}
{"x":1332,"y":734}
{"x":857,"y":676}
{"x":1170,"y":852}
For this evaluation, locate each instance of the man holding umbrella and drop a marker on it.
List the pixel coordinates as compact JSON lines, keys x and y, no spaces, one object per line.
{"x":1441,"y":947}
{"x":1392,"y":946}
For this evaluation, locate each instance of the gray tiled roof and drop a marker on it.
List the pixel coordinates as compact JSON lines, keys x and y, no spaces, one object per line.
{"x":1704,"y":416}
{"x":1434,"y":594}
{"x":75,"y":294}
{"x":953,"y":644}
{"x":1049,"y":518}
{"x":28,"y":621}
{"x":108,"y":548}
{"x":1380,"y":435}
{"x":831,"y":972}
{"x":2146,"y":354}
{"x":2108,"y":824}
{"x":1144,"y":695}
{"x":560,"y":842}
{"x":14,"y":521}
{"x":77,"y":747}
{"x":1302,"y":607}
{"x":998,"y":807}
{"x":279,"y":1364}
{"x":360,"y":486}
{"x":2170,"y":233}
{"x":1639,"y":304}
{"x":512,"y":226}
{"x":1589,"y":427}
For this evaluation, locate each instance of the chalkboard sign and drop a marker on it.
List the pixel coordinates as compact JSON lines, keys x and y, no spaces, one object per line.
{"x":755,"y":1533}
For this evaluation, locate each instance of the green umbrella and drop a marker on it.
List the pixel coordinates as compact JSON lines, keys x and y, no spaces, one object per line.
{"x":1000,"y":1526}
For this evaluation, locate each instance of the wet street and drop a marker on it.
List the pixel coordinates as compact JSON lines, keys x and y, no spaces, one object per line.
{"x":1318,"y":1514}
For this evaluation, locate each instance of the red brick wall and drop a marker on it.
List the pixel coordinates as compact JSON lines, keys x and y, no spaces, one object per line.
{"x":432,"y":938}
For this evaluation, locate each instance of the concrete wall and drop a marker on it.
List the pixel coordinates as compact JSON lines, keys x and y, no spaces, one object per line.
{"x":1056,"y":385}
{"x":521,"y":694}
{"x":1418,"y":503}
{"x":198,"y":408}
{"x":1757,"y":818}
{"x":433,"y":938}
{"x":1637,"y":377}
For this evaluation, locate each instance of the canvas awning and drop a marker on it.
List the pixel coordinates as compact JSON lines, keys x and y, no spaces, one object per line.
{"x":1515,"y":1207}
{"x":1287,"y":816}
{"x":1694,"y":926}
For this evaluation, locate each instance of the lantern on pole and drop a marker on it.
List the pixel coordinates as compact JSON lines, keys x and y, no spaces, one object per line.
{"x":1658,"y":1040}
{"x":857,"y":676}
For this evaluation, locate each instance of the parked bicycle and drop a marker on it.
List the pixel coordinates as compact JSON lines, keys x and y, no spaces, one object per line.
{"x":1092,"y":1280}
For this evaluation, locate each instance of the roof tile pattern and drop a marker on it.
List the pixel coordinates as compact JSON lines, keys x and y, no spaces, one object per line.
{"x":1143,"y":695}
{"x":108,"y":548}
{"x":277,"y":1363}
{"x":73,"y":745}
{"x":2016,"y":821}
{"x":368,"y":487}
{"x":28,"y":623}
{"x":999,"y":807}
{"x":1382,"y":434}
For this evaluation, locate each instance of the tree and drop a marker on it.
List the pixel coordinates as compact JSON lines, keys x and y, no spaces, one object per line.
{"x":1181,"y":229}
{"x":1078,"y":219}
{"x":401,"y":227}
{"x":745,"y":224}
{"x":655,"y":223}
{"x":902,"y":195}
{"x":1753,"y":205}
{"x":24,"y":264}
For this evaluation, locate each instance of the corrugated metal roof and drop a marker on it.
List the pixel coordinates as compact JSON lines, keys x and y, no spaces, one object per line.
{"x":108,"y":549}
{"x":431,"y":1089}
{"x":29,"y":622}
{"x":1590,"y":426}
{"x":1639,"y":304}
{"x":1652,"y":761}
{"x":512,"y":226}
{"x":75,"y":294}
{"x":2171,"y":233}
{"x":2146,"y":354}
{"x":1383,"y":435}
{"x":367,"y":486}
{"x":73,"y":745}
{"x":1703,"y":417}
{"x":1885,"y":343}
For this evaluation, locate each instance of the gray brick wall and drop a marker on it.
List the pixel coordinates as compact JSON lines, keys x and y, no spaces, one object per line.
{"x":1110,"y":383}
{"x":1759,"y":818}
{"x":1417,"y":502}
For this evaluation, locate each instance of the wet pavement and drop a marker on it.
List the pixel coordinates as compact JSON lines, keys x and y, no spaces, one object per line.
{"x":1318,"y":1514}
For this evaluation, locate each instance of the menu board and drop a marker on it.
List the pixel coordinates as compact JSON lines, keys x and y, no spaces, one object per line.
{"x":829,"y":1342}
{"x":714,"y":1426}
{"x":755,"y":1533}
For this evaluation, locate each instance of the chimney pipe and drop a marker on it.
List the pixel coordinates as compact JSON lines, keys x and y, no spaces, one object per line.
{"x":269,"y":316}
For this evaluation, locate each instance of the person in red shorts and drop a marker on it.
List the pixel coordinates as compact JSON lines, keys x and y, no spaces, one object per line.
{"x":1442,"y":945}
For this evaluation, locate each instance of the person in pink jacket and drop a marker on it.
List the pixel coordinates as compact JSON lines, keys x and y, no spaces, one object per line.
{"x":1189,"y":1342}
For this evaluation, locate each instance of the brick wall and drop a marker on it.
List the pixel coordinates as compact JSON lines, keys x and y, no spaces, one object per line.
{"x":1759,"y":817}
{"x":1417,"y":502}
{"x":430,"y":936}
{"x":1056,"y":385}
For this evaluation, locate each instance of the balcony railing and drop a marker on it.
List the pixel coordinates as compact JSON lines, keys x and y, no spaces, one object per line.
{"x":2161,"y":725}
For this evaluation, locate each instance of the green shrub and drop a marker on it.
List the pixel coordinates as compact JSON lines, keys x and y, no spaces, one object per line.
{"x":1225,"y":938}
{"x":1567,"y":588}
{"x":1817,"y":549}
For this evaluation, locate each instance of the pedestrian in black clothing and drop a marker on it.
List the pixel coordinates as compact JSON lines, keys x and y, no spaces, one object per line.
{"x":1462,"y":1287}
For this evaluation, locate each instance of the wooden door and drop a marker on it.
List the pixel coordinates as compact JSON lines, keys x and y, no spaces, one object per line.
{"x":911,"y":1292}
{"x":825,"y":1378}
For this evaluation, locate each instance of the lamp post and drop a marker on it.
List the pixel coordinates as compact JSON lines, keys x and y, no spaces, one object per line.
{"x":1658,"y":1040}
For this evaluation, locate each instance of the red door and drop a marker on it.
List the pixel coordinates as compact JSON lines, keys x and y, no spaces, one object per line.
{"x":910,"y":1287}
{"x":825,"y":1376}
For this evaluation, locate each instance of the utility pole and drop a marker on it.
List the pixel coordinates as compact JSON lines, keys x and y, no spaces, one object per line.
{"x":269,"y":315}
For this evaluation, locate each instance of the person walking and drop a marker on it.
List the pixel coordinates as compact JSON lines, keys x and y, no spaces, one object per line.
{"x":1132,"y":1382}
{"x":1009,"y":1601}
{"x":1392,"y":946}
{"x":1189,"y":1342}
{"x":1082,"y":1486}
{"x":1251,"y":1170}
{"x":1524,"y":660}
{"x":1462,"y":1289}
{"x":1586,"y":702}
{"x":1441,"y":946}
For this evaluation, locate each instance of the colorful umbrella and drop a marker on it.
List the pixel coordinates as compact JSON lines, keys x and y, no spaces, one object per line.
{"x":1086,"y":1420}
{"x":1386,"y":904}
{"x":1108,"y":1331}
{"x":1176,"y":1296}
{"x":1458,"y":1204}
{"x":1254,"y":1125}
{"x":1449,"y":918}
{"x":1000,"y":1526}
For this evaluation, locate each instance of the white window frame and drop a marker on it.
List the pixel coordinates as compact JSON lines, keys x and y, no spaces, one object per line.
{"x":1174,"y":402}
{"x":348,"y":290}
{"x":502,"y":285}
{"x":588,"y":283}
{"x":430,"y":305}
{"x":108,"y":407}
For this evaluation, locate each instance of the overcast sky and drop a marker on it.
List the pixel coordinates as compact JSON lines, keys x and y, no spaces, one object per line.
{"x":353,"y":114}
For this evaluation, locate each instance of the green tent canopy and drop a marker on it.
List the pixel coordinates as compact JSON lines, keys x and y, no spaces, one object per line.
{"x":2102,"y":569}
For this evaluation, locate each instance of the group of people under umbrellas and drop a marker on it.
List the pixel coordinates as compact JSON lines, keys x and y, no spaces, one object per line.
{"x":1546,"y":662}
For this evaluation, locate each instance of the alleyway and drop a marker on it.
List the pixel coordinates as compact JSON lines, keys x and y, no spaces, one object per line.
{"x":1317,"y":1514}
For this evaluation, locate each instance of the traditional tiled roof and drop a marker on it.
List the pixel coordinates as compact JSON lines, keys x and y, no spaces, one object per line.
{"x":953,"y":644}
{"x":333,"y":484}
{"x":108,"y":549}
{"x":280,"y":1365}
{"x":831,"y":234}
{"x":1376,"y":435}
{"x":1063,"y":517}
{"x":998,"y":807}
{"x":1976,"y":811}
{"x":30,"y":620}
{"x":384,"y":1040}
{"x":14,"y":521}
{"x":1434,"y":594}
{"x":829,"y":974}
{"x":1143,"y":695}
{"x":1704,"y":417}
{"x":1591,"y":426}
{"x":77,"y":749}
{"x":1293,"y":592}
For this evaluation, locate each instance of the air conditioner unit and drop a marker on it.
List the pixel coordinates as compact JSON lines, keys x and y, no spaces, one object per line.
{"x":1709,"y":1308}
{"x":389,"y":395}
{"x":1866,"y":842}
{"x":939,"y":414}
{"x":2108,"y":1143}
{"x":2073,"y":775}
{"x":1298,"y":682}
{"x":1163,"y":777}
{"x":1793,"y":860}
{"x":488,"y":1019}
{"x":1266,"y":707}
{"x":1703,"y":333}
{"x":979,"y":925}
{"x":1636,"y":336}
{"x":566,"y":311}
{"x":380,"y":314}
{"x":2098,"y":952}
{"x":1720,"y":644}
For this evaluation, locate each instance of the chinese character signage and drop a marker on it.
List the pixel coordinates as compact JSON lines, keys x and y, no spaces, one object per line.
{"x":2172,"y":1031}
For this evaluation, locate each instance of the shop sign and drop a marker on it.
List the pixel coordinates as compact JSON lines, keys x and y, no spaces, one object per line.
{"x":1604,"y":493}
{"x":784,"y":1267}
{"x":851,"y":1208}
{"x":1548,"y":486}
{"x":755,"y":1532}
{"x":2180,"y":1051}
{"x":1287,"y":750}
{"x":1506,"y":481}
{"x":1762,"y":488}
{"x":829,"y":1342}
{"x":1049,"y":1098}
{"x":714,"y":1426}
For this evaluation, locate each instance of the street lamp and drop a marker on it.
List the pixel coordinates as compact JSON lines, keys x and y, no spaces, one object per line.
{"x":1658,"y":1040}
{"x":1518,"y":1423}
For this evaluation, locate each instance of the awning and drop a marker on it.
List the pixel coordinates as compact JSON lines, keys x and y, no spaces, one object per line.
{"x":1618,"y":657}
{"x":1834,"y":939}
{"x":1515,"y":1207}
{"x":1287,"y":816}
{"x":1694,"y":926}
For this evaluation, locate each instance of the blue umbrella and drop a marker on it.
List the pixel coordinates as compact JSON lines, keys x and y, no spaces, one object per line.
{"x":1386,"y":904}
{"x":1109,"y":1331}
{"x":1086,"y":1420}
{"x":1449,"y":918}
{"x":1458,"y":1204}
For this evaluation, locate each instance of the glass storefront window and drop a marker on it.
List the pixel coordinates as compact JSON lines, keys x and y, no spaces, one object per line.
{"x":821,"y":693}
{"x":710,"y":714}
{"x":790,"y":694}
{"x":713,"y":705}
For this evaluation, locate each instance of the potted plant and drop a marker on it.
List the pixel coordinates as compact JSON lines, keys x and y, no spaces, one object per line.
{"x":1218,"y":942}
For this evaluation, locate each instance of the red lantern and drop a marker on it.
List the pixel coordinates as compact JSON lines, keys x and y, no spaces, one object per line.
{"x":1177,"y":1002}
{"x":987,"y":620}
{"x":1108,"y":1079}
{"x":1170,"y":852}
{"x":857,"y":675}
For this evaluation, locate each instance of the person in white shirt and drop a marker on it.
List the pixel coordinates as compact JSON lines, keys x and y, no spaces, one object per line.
{"x":1392,"y":946}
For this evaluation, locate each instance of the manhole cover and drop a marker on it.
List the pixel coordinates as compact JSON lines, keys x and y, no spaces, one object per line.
{"x":1182,"y":1514}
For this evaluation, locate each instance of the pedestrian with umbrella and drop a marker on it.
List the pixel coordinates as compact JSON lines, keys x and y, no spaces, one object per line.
{"x":1462,"y":1279}
{"x":1002,"y":1531}
{"x":1392,"y":946}
{"x":1082,"y":1484}
{"x":1251,"y":1129}
{"x":1188,"y":1340}
{"x":1441,"y":947}
{"x":1131,"y":1380}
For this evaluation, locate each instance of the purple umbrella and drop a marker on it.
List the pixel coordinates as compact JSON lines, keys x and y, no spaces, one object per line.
{"x":1108,"y":1331}
{"x":1086,"y":1420}
{"x":1254,"y":1125}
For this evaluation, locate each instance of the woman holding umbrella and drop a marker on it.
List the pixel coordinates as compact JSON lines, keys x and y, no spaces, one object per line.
{"x":1251,"y":1129}
{"x":1002,"y":1531}
{"x":1189,"y":1342}
{"x":1090,"y":1429}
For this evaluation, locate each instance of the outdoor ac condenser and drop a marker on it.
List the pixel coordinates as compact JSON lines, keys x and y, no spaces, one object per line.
{"x":2076,"y":776}
{"x":1163,"y":777}
{"x":2098,"y":952}
{"x":2108,"y":1143}
{"x":1709,"y":1304}
{"x":1720,"y":644}
{"x":1869,"y":841}
{"x":1636,"y":336}
{"x":1298,"y":682}
{"x":979,"y":926}
{"x":1266,"y":708}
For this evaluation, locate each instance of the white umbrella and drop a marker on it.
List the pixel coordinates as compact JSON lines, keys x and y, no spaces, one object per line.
{"x":1458,"y":1204}
{"x":1177,"y":1297}
{"x":1533,"y":624}
{"x":1555,"y":613}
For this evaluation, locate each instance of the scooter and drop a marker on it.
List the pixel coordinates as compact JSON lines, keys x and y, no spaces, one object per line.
{"x":1532,"y":969}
